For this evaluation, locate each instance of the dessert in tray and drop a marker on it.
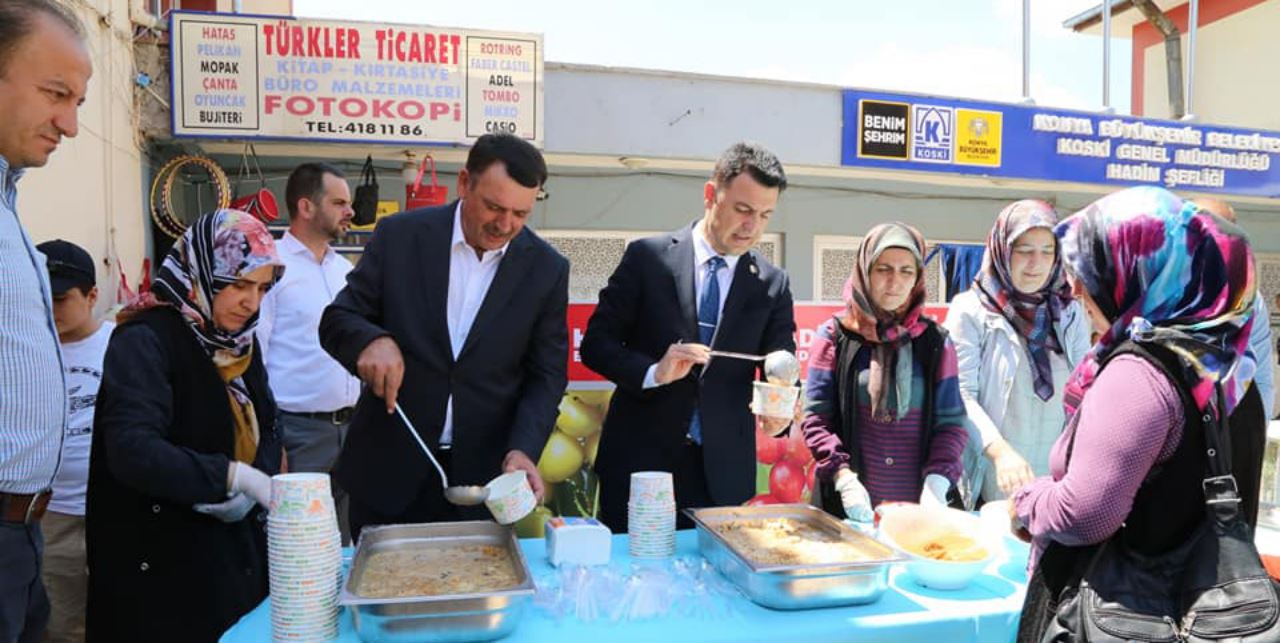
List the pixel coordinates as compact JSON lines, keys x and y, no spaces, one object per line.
{"x":787,"y":541}
{"x":458,"y":569}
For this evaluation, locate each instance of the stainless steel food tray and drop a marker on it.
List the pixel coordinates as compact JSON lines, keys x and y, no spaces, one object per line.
{"x":457,"y":617}
{"x":790,"y":587}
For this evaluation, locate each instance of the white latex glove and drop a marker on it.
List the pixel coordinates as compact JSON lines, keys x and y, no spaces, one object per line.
{"x":233,"y":510}
{"x":242,"y":478}
{"x":854,"y":497}
{"x":935,"y":490}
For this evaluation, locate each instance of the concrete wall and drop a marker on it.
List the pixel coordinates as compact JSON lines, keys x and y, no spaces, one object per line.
{"x":260,"y":7}
{"x":1234,"y":79}
{"x":642,"y":113}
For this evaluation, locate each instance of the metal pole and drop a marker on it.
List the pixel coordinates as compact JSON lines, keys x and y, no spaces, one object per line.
{"x":1026,"y":50}
{"x":1106,"y":55}
{"x":1193,"y":25}
{"x":237,"y":6}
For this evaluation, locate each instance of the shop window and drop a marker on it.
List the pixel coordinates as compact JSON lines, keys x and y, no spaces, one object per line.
{"x":833,"y":259}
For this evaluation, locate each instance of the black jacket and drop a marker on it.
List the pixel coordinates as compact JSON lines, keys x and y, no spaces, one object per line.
{"x":506,"y":382}
{"x":648,"y":305}
{"x":162,"y":441}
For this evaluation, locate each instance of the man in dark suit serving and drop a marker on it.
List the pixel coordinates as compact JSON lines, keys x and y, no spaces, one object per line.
{"x":672,"y":298}
{"x":458,"y":313}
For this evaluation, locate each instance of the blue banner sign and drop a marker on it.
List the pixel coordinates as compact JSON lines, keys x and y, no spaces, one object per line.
{"x":924,"y":133}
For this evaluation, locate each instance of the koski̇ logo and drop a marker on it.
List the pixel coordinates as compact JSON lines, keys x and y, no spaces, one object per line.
{"x":933,"y":133}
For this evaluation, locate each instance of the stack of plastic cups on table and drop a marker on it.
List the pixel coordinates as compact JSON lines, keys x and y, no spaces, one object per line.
{"x":304,"y":553}
{"x":651,"y":515}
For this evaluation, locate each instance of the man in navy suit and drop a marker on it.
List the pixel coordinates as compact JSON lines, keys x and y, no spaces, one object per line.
{"x":672,"y":298}
{"x":458,"y":313}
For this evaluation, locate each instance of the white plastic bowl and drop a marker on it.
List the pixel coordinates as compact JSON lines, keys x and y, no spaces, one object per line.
{"x":908,"y":527}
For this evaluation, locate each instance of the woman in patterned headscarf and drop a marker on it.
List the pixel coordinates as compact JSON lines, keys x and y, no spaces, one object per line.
{"x":884,"y":419}
{"x":1169,"y":288}
{"x":1018,"y":334}
{"x":184,"y":443}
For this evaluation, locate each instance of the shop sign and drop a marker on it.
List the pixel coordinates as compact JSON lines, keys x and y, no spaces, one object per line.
{"x":908,"y":132}
{"x":268,"y":77}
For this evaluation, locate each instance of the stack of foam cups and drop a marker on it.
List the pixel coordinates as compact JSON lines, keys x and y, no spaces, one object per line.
{"x":651,"y":515}
{"x":304,"y":554}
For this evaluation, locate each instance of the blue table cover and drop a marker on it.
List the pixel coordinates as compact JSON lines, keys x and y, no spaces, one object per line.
{"x":987,"y":610}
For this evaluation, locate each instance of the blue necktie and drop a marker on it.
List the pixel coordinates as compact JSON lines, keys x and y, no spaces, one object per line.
{"x":708,"y":317}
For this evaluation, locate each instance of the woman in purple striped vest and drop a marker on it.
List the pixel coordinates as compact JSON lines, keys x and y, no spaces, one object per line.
{"x":884,"y":417}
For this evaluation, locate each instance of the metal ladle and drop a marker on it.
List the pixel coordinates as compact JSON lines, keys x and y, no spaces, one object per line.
{"x":463,"y":495}
{"x":747,"y":356}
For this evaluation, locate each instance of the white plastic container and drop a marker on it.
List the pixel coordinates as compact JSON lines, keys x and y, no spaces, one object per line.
{"x":578,"y":541}
{"x":907,"y":527}
{"x":771,"y":400}
{"x":510,"y":497}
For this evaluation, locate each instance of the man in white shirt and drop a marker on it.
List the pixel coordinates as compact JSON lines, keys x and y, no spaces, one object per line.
{"x":72,"y":281}
{"x":456,"y":314}
{"x":314,"y":393}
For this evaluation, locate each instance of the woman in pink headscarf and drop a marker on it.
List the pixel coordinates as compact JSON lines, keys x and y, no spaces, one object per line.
{"x":884,"y":417}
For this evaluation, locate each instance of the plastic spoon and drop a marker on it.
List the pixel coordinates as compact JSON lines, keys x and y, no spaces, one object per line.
{"x":465,"y":495}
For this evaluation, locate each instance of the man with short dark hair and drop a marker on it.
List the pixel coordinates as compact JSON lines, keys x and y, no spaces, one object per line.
{"x":671,"y":299}
{"x":44,"y":71}
{"x":314,"y":394}
{"x":457,"y":314}
{"x":73,"y":281}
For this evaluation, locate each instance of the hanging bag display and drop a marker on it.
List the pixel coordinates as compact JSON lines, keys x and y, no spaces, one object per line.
{"x":261,"y":203}
{"x":365,"y":200}
{"x":418,"y":195}
{"x":1211,"y":587}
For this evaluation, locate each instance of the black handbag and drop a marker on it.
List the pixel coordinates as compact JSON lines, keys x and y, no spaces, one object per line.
{"x":1211,"y":587}
{"x":365,"y":200}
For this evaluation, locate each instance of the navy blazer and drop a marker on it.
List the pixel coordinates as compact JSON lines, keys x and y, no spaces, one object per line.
{"x":506,"y":382}
{"x":648,"y":305}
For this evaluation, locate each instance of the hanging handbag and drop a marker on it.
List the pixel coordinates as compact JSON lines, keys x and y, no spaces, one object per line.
{"x":1211,"y":587}
{"x":261,"y":202}
{"x":418,"y":195}
{"x":365,"y":200}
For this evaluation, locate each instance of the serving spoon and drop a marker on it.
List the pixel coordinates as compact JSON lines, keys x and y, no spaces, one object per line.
{"x":467,"y":495}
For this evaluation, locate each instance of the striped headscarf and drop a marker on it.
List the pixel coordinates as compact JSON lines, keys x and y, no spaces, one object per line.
{"x":216,"y":251}
{"x":1032,"y":315}
{"x":889,"y":332}
{"x":1162,"y":269}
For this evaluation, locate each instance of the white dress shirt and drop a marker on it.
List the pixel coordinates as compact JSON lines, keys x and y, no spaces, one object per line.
{"x":304,"y":378}
{"x":702,"y":252}
{"x":469,"y":280}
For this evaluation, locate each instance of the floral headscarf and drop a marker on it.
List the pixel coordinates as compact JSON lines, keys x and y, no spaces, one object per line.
{"x":1162,"y":269}
{"x":1032,"y":315}
{"x":216,"y":251}
{"x":213,"y":253}
{"x":889,"y":332}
